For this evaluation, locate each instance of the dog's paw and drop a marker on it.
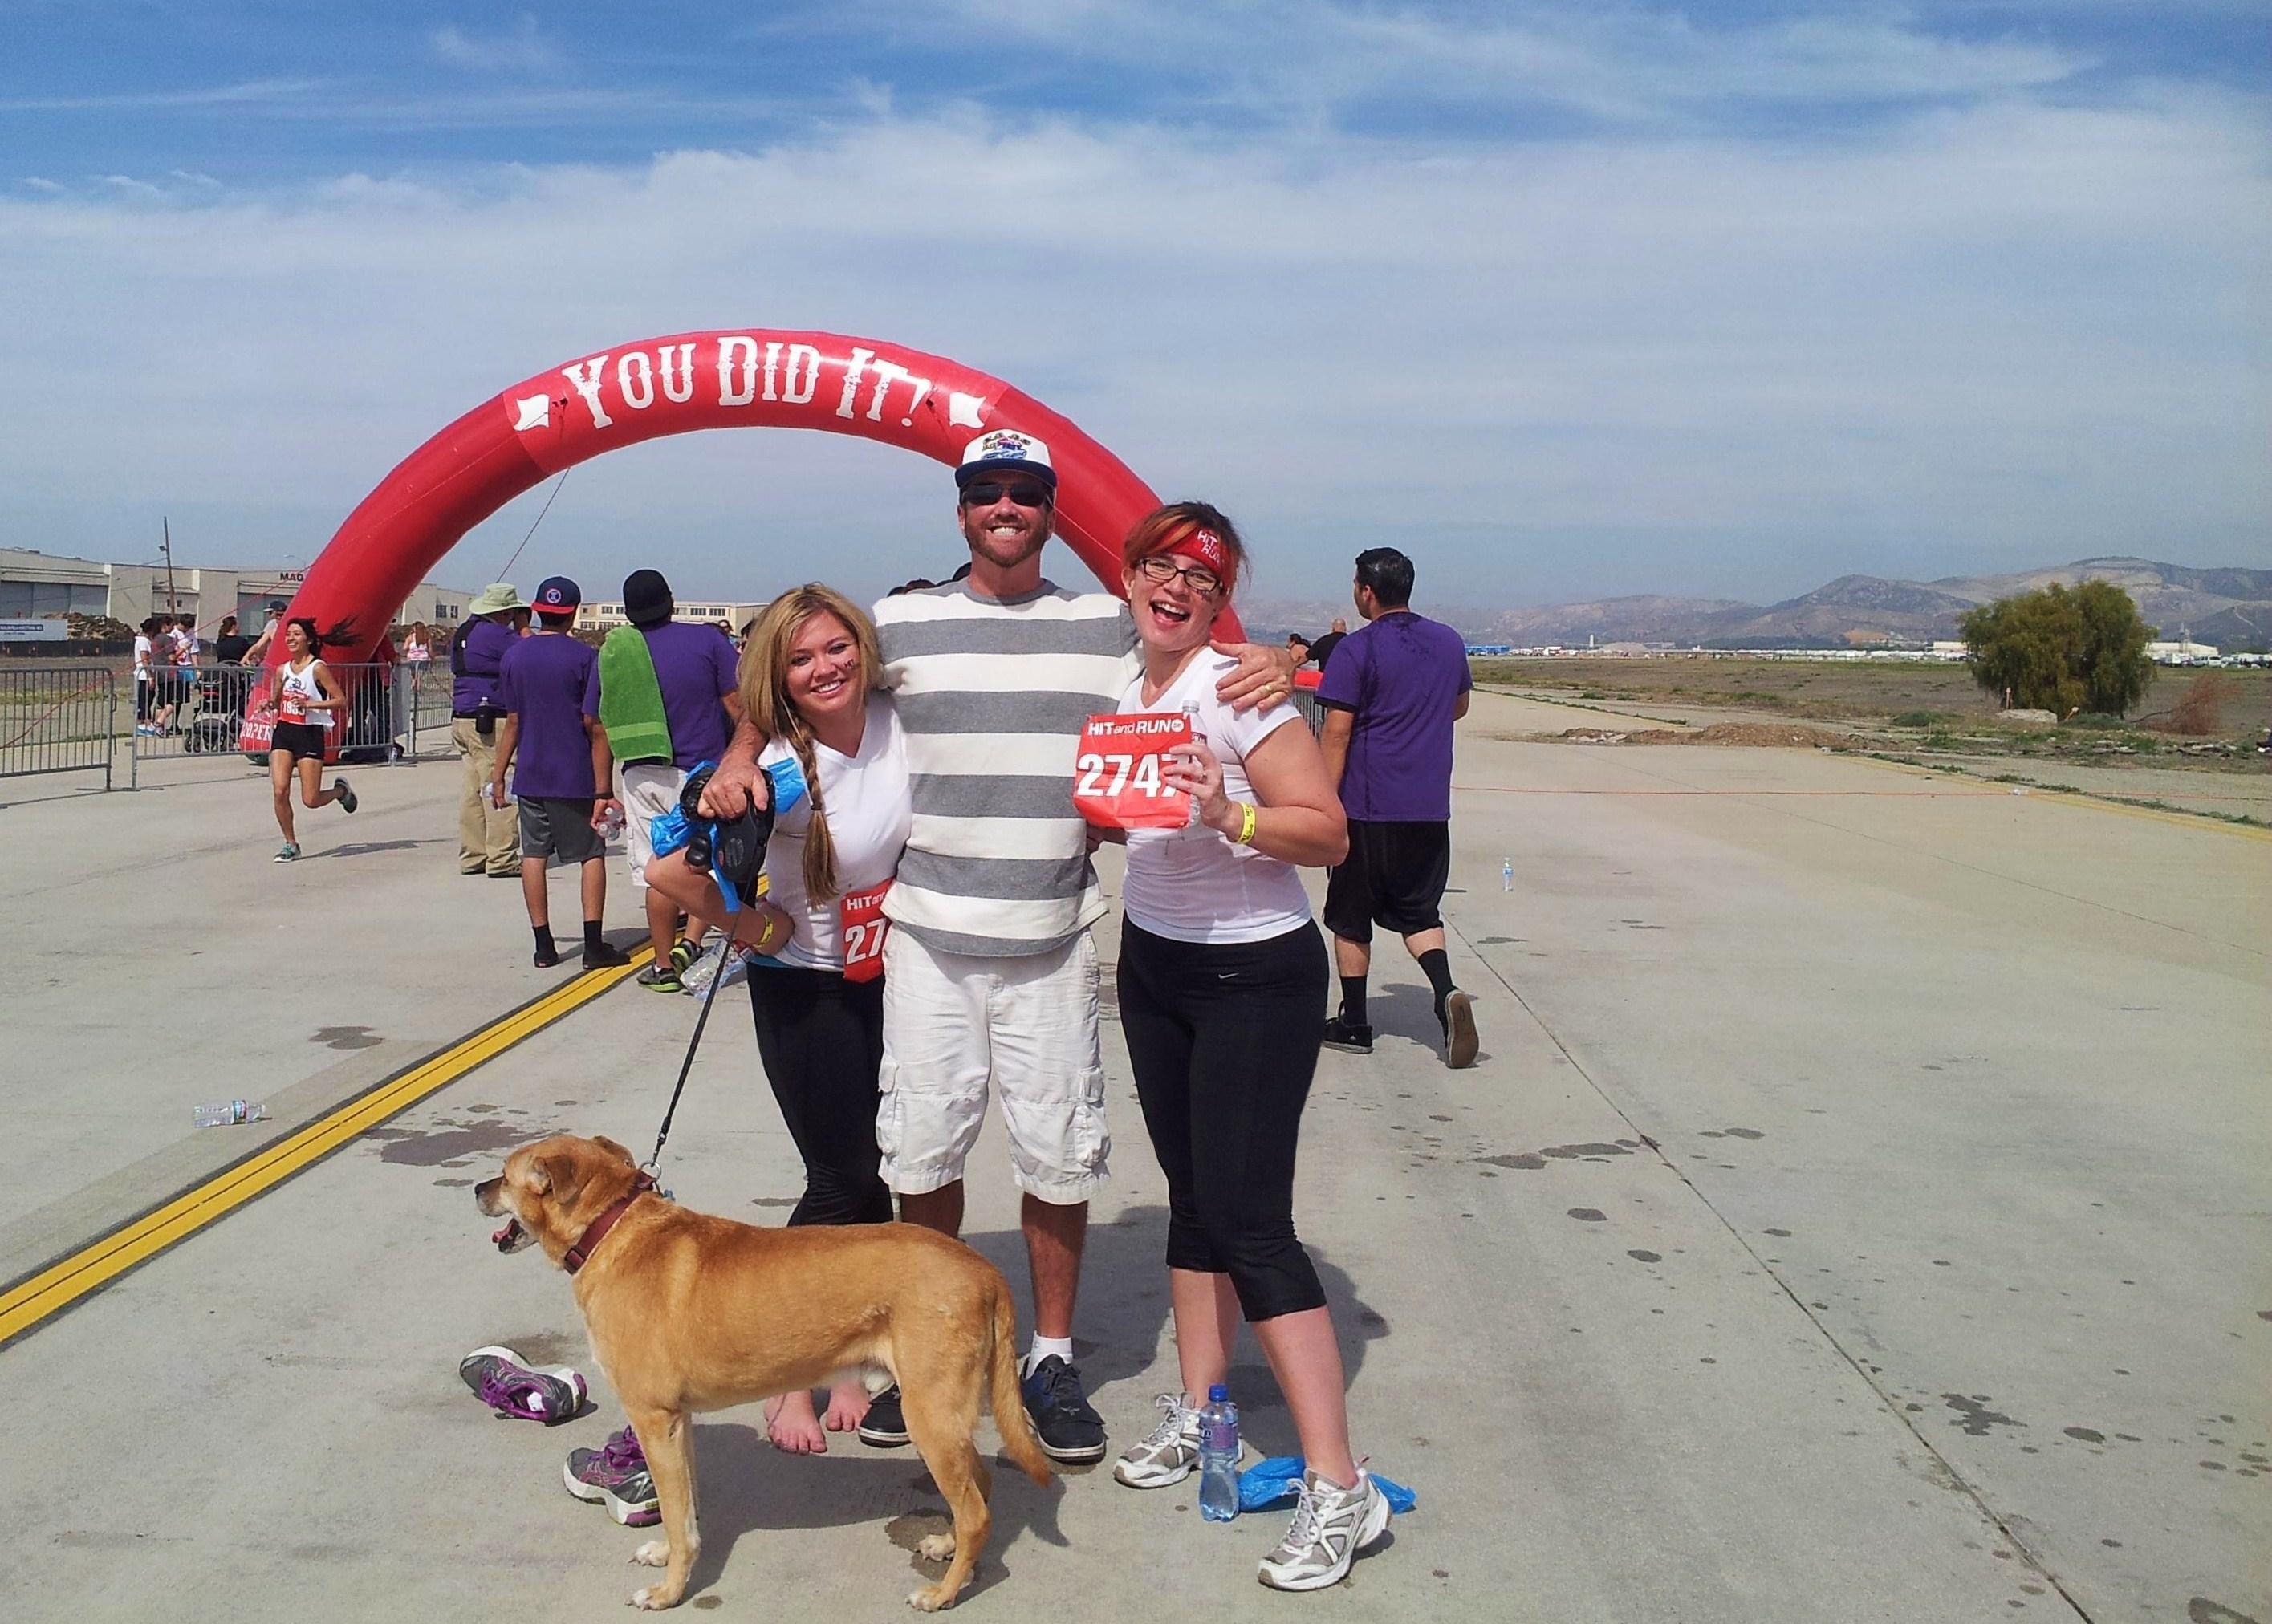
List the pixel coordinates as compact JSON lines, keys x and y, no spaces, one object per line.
{"x":654,"y":1554}
{"x":655,"y":1598}
{"x":936,"y":1547}
{"x":928,"y":1599}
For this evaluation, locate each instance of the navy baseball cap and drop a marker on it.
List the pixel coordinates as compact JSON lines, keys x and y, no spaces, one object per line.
{"x":558,"y":595}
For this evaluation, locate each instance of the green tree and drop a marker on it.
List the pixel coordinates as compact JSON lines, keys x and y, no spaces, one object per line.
{"x":2062,"y":651}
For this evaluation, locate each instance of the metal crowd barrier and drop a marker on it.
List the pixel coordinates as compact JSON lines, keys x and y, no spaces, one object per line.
{"x":58,"y":718}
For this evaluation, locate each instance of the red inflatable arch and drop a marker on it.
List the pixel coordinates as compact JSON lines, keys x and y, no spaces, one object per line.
{"x":740,"y":379}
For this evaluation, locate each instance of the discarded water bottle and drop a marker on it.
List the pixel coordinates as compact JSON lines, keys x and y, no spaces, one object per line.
{"x":611,"y":823}
{"x":229,"y":1115}
{"x":1219,"y":1456}
{"x":1507,"y":874}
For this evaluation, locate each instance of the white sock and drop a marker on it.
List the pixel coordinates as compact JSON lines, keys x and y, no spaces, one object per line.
{"x":1043,"y":1346}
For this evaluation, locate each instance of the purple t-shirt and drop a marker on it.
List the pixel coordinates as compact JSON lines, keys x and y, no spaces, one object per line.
{"x":694,"y":666}
{"x":542,"y":683}
{"x":1401,"y":677}
{"x":480,"y":653}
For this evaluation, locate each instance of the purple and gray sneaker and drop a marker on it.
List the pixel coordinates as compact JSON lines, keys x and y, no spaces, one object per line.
{"x":507,"y":1384}
{"x":615,"y":1476}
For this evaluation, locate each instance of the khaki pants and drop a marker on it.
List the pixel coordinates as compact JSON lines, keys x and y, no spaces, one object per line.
{"x":488,"y":837}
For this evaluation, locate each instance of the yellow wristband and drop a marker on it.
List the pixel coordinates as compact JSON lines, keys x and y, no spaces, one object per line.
{"x":1245,"y":823}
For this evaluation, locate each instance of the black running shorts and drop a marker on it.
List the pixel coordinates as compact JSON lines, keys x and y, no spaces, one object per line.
{"x":559,"y":827}
{"x":1393,"y":877}
{"x":302,"y":740}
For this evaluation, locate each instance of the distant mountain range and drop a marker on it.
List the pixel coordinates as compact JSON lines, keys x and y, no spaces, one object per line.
{"x":2230,"y":609}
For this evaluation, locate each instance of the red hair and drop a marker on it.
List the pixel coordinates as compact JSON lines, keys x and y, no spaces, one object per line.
{"x":1167,"y":530}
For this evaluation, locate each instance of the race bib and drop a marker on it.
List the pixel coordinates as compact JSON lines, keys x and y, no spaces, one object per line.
{"x":860,"y":916}
{"x":291,"y":707}
{"x":1119,"y":777}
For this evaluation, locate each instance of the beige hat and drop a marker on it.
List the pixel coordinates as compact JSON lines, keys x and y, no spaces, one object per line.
{"x":496,"y":599}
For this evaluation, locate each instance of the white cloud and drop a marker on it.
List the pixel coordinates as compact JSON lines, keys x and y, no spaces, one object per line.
{"x":522,"y":48}
{"x":129,"y":184}
{"x":41,"y":182}
{"x":2029,"y":333}
{"x":195,"y":177}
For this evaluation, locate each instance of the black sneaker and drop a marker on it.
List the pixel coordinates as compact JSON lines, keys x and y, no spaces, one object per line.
{"x":1340,"y":1034}
{"x":1070,"y":1430}
{"x":884,"y":1426}
{"x":604,"y":955}
{"x":1460,"y":1039}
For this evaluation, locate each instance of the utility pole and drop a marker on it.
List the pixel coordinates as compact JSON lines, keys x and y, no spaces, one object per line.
{"x":166,"y":545}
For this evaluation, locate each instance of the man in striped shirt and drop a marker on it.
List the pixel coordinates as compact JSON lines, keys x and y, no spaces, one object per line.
{"x":989,"y":973}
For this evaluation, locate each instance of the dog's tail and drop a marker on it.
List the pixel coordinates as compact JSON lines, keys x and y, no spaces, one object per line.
{"x":1010,"y":1418}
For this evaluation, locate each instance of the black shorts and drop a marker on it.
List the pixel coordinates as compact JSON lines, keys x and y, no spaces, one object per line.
{"x":1393,"y":877}
{"x":303,"y":740}
{"x":559,"y":826}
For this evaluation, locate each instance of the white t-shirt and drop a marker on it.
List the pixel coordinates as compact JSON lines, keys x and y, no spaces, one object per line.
{"x":141,"y":657}
{"x":1194,"y":885}
{"x":866,"y":799}
{"x":296,"y":688}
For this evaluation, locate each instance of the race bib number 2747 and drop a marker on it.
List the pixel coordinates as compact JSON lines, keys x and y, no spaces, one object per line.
{"x":1119,"y":775}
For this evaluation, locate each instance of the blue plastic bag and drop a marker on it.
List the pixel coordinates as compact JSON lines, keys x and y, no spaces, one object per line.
{"x":667,"y":831}
{"x":1270,"y":1483}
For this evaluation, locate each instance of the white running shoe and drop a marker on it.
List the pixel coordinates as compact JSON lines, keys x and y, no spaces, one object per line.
{"x":1170,"y":1455}
{"x":1331,"y":1525}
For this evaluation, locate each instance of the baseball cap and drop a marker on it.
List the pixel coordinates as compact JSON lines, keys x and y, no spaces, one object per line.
{"x":557,"y":595}
{"x":1005,"y":451}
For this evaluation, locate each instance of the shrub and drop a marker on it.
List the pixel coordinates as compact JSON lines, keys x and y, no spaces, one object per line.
{"x":2200,"y":710}
{"x":1919,"y":718}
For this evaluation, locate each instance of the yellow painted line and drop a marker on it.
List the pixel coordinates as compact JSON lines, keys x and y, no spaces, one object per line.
{"x":37,"y":1297}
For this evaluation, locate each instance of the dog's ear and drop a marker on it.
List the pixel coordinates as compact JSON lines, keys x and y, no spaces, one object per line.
{"x":606,"y":1143}
{"x":556,"y":1177}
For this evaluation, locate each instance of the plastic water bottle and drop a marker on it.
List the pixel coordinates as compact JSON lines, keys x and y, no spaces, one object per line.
{"x":1507,"y":874}
{"x":1191,"y":720}
{"x":229,"y":1114}
{"x":1219,"y":1456}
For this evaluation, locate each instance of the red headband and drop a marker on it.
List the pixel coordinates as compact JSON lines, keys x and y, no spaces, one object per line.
{"x":1207,"y":547}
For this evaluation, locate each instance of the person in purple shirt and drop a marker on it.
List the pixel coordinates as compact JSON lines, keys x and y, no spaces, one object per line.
{"x":1391,"y":694}
{"x":698,"y":673}
{"x":546,"y":740}
{"x":488,"y":839}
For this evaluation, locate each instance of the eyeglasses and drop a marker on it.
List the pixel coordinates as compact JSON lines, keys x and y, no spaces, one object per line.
{"x":1159,"y":568}
{"x":986,"y":493}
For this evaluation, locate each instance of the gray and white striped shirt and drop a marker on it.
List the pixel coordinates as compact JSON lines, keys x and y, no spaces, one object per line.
{"x":992,"y":693}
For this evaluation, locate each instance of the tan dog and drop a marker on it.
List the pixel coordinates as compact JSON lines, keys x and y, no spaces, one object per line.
{"x":689,"y":1312}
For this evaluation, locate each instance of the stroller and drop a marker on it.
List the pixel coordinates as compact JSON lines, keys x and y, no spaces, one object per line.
{"x":219,"y":716}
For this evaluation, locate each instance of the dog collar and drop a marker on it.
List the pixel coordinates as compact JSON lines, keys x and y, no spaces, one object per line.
{"x":578,"y":1254}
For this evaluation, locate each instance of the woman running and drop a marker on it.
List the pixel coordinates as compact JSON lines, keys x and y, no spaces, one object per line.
{"x":307,"y":699}
{"x":1222,"y":981}
{"x":811,"y":680}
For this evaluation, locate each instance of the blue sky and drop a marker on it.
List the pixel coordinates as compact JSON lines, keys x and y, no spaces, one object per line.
{"x":1569,"y":300}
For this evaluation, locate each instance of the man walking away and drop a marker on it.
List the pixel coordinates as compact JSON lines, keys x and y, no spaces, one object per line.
{"x":488,"y":836}
{"x":1393,"y":690}
{"x":666,"y":697}
{"x":1322,"y":650}
{"x":541,"y":687}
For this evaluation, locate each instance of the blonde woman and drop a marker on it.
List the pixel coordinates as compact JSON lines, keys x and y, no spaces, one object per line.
{"x":810,"y":678}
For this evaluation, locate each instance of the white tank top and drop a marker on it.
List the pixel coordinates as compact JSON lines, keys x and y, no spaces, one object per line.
{"x":299,"y":687}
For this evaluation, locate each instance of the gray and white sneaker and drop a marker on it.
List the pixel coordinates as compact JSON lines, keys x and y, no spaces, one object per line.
{"x":1171,"y":1453}
{"x":1331,"y":1525}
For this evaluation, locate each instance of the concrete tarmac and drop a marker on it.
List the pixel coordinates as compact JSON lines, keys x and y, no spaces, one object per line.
{"x":1857,"y":1213}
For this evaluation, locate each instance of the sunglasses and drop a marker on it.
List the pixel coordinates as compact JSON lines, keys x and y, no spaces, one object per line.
{"x":986,"y":493}
{"x":1161,"y":568}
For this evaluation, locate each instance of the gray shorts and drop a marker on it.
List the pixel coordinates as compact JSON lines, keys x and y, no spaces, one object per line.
{"x":559,"y":826}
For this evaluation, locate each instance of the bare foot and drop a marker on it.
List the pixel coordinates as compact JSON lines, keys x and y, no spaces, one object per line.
{"x":848,"y":1405}
{"x":791,"y":1424}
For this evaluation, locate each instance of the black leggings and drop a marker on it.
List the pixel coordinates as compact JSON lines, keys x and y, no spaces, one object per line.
{"x":1223,"y":1040}
{"x":821,"y":1039}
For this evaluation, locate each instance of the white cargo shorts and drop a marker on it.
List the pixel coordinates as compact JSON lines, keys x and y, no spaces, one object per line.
{"x":650,"y":789}
{"x":952,"y":1025}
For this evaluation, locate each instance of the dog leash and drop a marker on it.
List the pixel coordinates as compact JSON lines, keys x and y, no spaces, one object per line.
{"x":728,"y":890}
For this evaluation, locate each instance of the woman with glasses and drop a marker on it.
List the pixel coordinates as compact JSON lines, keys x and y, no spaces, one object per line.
{"x":1222,"y":980}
